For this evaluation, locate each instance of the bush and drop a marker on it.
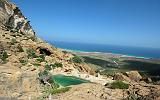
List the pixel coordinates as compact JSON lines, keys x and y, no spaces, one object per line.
{"x":60,"y":90}
{"x":33,"y":38}
{"x":4,"y":56}
{"x":36,"y":64}
{"x":23,"y":62}
{"x":31,"y":53}
{"x":44,"y":73}
{"x":41,"y":58}
{"x":13,"y":41}
{"x":114,"y":59}
{"x":65,"y":52}
{"x":76,"y":59}
{"x":53,"y":83}
{"x":57,"y":64}
{"x":109,"y":72}
{"x":56,"y":90}
{"x":47,"y":91}
{"x":48,"y":67}
{"x":119,"y":85}
{"x":43,"y":76}
{"x":20,"y":49}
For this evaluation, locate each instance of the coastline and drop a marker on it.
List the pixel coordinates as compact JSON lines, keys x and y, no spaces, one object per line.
{"x":124,"y":51}
{"x":98,"y":60}
{"x":107,"y":53}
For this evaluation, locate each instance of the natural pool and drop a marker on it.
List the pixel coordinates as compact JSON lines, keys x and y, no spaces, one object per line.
{"x":68,"y":80}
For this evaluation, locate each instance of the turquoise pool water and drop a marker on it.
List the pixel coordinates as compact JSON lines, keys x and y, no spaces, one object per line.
{"x":68,"y":80}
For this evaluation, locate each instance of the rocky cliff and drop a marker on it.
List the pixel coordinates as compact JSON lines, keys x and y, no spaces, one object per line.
{"x":13,"y":19}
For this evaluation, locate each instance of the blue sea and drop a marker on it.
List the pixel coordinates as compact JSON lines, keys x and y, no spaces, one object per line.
{"x":124,"y":50}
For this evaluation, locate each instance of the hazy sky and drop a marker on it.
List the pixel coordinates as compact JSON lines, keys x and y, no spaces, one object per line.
{"x":119,"y":22}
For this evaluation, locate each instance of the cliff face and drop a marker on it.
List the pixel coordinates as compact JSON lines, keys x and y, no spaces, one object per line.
{"x":13,"y":19}
{"x":15,"y":36}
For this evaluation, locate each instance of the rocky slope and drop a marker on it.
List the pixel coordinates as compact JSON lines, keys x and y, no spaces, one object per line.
{"x":23,"y":56}
{"x":19,"y":51}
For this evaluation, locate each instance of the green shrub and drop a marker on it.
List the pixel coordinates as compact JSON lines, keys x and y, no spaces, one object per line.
{"x":65,"y":52}
{"x":53,"y":83}
{"x":36,"y":64}
{"x":44,"y":73}
{"x":60,"y":90}
{"x":47,"y":91}
{"x":109,"y":72}
{"x":48,"y":67}
{"x":31,"y":53}
{"x":114,"y":59}
{"x":20,"y":49}
{"x":13,"y":41}
{"x":119,"y":85}
{"x":4,"y":56}
{"x":57,"y":64}
{"x":56,"y":90}
{"x":23,"y":62}
{"x":43,"y":76}
{"x":41,"y":58}
{"x":33,"y":38}
{"x":76,"y":59}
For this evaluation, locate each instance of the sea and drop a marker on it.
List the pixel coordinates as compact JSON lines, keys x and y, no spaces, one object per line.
{"x":140,"y":52}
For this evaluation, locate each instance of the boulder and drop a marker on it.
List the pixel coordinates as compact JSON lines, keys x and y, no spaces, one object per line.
{"x":143,"y":91}
{"x":146,"y":79}
{"x":13,"y":59}
{"x":121,"y":77}
{"x":134,"y":76}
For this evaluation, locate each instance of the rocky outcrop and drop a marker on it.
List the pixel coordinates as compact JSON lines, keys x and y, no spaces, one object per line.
{"x":121,"y":77}
{"x":143,"y":91}
{"x":139,"y":88}
{"x":131,"y":76}
{"x":134,"y":76}
{"x":12,"y":18}
{"x":15,"y":83}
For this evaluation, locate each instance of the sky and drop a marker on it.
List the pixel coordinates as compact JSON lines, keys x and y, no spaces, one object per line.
{"x":115,"y":22}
